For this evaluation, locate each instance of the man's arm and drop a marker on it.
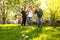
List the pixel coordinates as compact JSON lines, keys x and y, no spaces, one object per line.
{"x":35,"y":12}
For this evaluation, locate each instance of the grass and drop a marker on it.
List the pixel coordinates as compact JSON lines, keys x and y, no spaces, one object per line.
{"x":17,"y":32}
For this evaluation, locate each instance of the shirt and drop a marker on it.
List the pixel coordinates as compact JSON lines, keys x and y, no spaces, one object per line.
{"x":30,"y":13}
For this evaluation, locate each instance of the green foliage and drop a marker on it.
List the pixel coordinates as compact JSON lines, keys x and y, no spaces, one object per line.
{"x":52,"y":8}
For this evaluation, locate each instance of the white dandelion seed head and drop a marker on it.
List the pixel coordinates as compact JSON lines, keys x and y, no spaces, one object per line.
{"x":21,"y":27}
{"x":23,"y":35}
{"x":26,"y":36}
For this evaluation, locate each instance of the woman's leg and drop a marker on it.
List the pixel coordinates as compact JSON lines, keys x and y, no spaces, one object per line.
{"x":30,"y":21}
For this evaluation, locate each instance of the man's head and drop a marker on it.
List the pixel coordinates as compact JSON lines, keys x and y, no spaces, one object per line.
{"x":37,"y":7}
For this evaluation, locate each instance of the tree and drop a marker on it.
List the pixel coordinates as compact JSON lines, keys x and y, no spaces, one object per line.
{"x":53,"y":6}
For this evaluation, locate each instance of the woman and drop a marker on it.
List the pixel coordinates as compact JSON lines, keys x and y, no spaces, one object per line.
{"x":30,"y":15}
{"x":23,"y":16}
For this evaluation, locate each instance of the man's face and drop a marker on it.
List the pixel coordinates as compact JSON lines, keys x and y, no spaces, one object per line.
{"x":37,"y":7}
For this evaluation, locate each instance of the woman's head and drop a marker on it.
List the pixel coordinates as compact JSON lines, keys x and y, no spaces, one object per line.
{"x":30,"y":8}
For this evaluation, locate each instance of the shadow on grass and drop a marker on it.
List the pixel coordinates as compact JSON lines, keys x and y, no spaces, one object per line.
{"x":33,"y":34}
{"x":50,"y":33}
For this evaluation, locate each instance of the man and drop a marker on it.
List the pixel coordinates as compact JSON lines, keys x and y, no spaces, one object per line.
{"x":39,"y":14}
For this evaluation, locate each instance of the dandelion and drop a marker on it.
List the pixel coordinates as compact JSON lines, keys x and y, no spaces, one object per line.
{"x":23,"y":35}
{"x":26,"y":36}
{"x":21,"y":27}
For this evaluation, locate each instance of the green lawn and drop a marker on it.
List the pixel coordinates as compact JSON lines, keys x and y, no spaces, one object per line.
{"x":16,"y":32}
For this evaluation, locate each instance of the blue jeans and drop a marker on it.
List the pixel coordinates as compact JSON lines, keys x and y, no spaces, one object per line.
{"x":30,"y":21}
{"x":39,"y":22}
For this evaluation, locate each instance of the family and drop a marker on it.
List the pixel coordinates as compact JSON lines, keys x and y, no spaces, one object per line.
{"x":37,"y":11}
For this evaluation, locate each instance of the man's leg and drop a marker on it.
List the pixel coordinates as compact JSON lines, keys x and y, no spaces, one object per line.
{"x":39,"y":22}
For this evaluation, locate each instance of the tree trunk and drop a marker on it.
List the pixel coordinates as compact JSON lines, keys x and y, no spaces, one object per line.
{"x":4,"y":20}
{"x":3,"y":13}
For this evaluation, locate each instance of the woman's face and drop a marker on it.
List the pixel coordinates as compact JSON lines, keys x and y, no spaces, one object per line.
{"x":23,"y":9}
{"x":30,"y":8}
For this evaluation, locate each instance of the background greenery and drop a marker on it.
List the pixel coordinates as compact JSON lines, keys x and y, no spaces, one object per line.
{"x":51,"y":8}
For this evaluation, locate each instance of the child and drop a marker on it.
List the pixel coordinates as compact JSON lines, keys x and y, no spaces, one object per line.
{"x":23,"y":12}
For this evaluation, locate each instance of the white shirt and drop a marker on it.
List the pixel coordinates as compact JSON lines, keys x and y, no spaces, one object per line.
{"x":30,"y":13}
